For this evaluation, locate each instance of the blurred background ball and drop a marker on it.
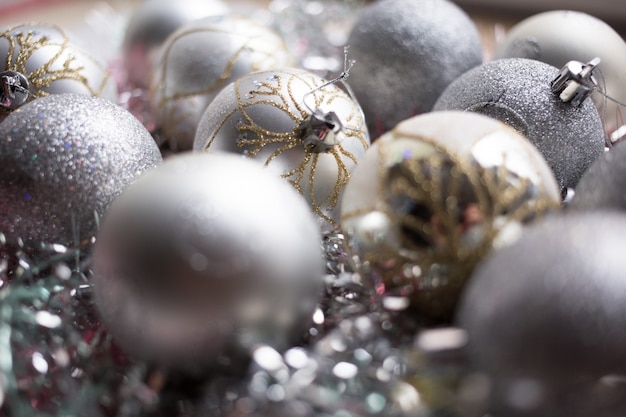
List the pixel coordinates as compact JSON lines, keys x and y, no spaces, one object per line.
{"x":150,"y":25}
{"x":407,"y":52}
{"x":51,"y":63}
{"x":547,"y":320}
{"x":269,"y":116}
{"x":200,"y":59}
{"x":517,"y":92}
{"x":63,"y":159}
{"x":432,"y":197}
{"x":204,"y":259}
{"x":559,"y":36}
{"x":603,"y":186}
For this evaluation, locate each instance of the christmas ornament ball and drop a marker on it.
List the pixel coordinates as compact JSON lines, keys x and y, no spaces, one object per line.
{"x":433,"y":196}
{"x":150,"y":25}
{"x":50,"y":64}
{"x":197,"y":61}
{"x":204,"y":259}
{"x":548,"y":313}
{"x":309,"y":132}
{"x":603,"y":186}
{"x":517,"y":92}
{"x":407,"y":52}
{"x":559,"y":36}
{"x":63,"y":159}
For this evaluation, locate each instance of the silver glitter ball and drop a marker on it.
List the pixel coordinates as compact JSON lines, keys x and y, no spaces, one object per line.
{"x":200,"y":59}
{"x":311,"y":134}
{"x":407,"y":52}
{"x":546,"y":318}
{"x":63,"y":159}
{"x":150,"y":25}
{"x":204,"y":259}
{"x":517,"y":92}
{"x":432,"y":197}
{"x":559,"y":36}
{"x":51,"y":63}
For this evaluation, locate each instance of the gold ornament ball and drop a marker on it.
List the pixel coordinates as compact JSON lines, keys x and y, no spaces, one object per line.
{"x":433,"y":196}
{"x":309,"y":132}
{"x":200,"y":59}
{"x":51,"y":64}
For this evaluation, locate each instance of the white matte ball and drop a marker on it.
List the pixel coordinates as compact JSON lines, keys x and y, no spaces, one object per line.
{"x":262,"y":115}
{"x":150,"y":25}
{"x":205,"y":258}
{"x":200,"y":59}
{"x":51,"y":63}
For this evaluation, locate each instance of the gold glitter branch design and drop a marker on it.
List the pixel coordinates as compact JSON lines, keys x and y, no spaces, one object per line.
{"x":455,"y":194}
{"x":27,"y":42}
{"x":254,"y":138}
{"x":257,"y":65}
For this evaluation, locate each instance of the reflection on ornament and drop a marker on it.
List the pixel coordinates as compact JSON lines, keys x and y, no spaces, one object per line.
{"x":519,"y":93}
{"x":559,"y":36}
{"x":184,"y":83}
{"x":432,"y":197}
{"x":547,"y":313}
{"x":150,"y":25}
{"x":63,"y":159}
{"x":309,"y":131}
{"x":203,"y":260}
{"x":51,"y":64}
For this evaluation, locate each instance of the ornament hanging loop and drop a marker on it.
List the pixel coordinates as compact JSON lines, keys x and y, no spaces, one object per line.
{"x":321,"y":129}
{"x":575,"y":82}
{"x":13,"y":89}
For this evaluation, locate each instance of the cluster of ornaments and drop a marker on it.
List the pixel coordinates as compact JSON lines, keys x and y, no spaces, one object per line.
{"x":476,"y":193}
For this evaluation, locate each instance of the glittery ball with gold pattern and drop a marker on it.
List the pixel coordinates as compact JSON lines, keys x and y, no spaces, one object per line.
{"x":307,"y":130}
{"x":197,"y":61}
{"x":432,"y":197}
{"x":50,"y":64}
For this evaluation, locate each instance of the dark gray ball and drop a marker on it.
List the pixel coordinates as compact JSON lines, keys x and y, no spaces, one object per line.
{"x":517,"y":92}
{"x":63,"y":159}
{"x":407,"y":52}
{"x":604,"y":184}
{"x":548,"y":314}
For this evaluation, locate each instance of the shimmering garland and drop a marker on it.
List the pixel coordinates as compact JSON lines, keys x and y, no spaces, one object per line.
{"x":437,"y":204}
{"x":312,"y":131}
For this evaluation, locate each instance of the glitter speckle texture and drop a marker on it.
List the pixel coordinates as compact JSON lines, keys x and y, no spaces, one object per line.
{"x":63,"y":158}
{"x":517,"y":92}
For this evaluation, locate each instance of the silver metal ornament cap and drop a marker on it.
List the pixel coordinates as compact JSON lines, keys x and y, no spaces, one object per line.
{"x":575,"y":82}
{"x":320,"y":130}
{"x":14,"y":89}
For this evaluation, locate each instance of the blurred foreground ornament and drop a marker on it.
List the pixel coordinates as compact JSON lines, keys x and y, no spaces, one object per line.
{"x":519,"y":93}
{"x":408,"y":51}
{"x":63,"y":159}
{"x":432,"y":197}
{"x":301,"y":126}
{"x":559,"y":36}
{"x":42,"y":58}
{"x":546,"y":319}
{"x":150,"y":25}
{"x":184,"y":82}
{"x":205,"y":258}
